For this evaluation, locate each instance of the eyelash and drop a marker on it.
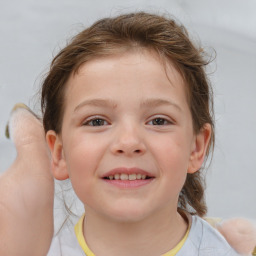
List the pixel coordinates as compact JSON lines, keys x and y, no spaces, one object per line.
{"x":97,"y":121}
{"x":163,"y":121}
{"x":92,"y":121}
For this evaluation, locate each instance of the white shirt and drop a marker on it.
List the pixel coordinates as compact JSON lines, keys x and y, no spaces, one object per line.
{"x":203,"y":240}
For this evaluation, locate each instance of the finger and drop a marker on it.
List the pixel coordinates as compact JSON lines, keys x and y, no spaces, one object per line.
{"x":24,"y":127}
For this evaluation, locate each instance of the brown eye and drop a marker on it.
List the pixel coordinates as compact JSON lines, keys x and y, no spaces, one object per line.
{"x":96,"y":122}
{"x":159,"y":121}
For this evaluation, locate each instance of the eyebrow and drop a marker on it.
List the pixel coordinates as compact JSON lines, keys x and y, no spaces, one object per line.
{"x":96,"y":103}
{"x":154,"y":102}
{"x":159,"y":102}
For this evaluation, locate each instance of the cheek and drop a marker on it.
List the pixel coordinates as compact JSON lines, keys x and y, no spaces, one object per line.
{"x":82,"y":157}
{"x":81,"y":153}
{"x":172,"y":159}
{"x":171,"y":151}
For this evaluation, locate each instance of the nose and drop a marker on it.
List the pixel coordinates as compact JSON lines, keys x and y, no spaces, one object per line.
{"x":128,"y":141}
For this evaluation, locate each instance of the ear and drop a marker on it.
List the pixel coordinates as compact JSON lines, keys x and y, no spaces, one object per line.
{"x":59,"y":167}
{"x":199,"y":148}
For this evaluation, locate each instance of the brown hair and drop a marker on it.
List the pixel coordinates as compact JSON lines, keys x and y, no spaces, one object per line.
{"x":114,"y":35}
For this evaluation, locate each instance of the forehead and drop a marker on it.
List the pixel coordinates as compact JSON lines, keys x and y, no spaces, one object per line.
{"x":136,"y":70}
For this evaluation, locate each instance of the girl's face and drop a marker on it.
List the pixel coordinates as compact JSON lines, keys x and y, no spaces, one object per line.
{"x":127,"y":139}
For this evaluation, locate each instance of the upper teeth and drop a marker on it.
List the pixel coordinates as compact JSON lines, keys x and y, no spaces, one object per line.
{"x":124,"y":176}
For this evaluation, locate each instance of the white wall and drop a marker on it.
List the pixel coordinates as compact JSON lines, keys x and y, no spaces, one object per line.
{"x":31,"y":32}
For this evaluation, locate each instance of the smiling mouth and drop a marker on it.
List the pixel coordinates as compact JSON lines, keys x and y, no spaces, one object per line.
{"x":130,"y":177}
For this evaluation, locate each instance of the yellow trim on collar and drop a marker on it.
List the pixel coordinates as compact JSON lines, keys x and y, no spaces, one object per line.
{"x":80,"y":237}
{"x":88,"y":252}
{"x":176,"y":249}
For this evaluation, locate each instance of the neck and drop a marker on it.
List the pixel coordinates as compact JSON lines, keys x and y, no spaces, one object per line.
{"x":108,"y":237}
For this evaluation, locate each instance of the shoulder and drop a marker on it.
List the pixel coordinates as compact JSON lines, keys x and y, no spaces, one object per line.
{"x":65,"y":244}
{"x":205,"y":240}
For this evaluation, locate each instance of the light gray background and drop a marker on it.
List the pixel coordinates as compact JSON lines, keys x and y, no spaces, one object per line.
{"x":32,"y":31}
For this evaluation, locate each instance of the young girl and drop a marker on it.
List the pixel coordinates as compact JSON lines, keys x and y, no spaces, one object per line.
{"x":128,"y":119}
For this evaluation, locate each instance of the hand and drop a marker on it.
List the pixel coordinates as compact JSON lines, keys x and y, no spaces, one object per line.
{"x":240,"y":233}
{"x":26,"y":190}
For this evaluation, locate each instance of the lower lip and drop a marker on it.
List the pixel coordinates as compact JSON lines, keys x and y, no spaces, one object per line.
{"x":128,"y":183}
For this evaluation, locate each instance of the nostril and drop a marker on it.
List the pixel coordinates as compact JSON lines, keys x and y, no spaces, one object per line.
{"x":120,"y":151}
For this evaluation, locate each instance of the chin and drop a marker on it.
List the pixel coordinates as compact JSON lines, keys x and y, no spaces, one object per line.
{"x":128,"y":214}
